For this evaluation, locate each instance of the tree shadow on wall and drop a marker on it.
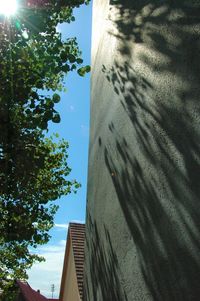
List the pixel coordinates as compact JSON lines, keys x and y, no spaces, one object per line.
{"x":156,"y":173}
{"x":104,"y":268}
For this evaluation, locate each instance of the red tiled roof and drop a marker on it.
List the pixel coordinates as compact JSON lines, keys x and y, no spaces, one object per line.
{"x":77,"y":235}
{"x":28,"y":293}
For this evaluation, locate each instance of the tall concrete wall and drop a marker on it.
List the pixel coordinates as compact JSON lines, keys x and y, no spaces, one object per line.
{"x":143,"y":210}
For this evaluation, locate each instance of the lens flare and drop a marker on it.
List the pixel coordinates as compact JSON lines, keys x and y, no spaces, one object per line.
{"x":8,"y":7}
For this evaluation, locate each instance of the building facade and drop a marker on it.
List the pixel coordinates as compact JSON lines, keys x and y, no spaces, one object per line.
{"x":143,"y":207}
{"x":72,"y":276}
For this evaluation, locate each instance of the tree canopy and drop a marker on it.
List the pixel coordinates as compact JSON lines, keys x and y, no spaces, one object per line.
{"x":34,"y":61}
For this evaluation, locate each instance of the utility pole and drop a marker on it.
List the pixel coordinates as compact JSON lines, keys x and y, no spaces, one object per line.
{"x":52,"y":289}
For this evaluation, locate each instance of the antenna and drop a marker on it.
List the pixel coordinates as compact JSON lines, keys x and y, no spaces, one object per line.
{"x":52,"y":289}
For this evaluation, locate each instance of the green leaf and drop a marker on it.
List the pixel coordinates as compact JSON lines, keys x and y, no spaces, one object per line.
{"x":82,"y":71}
{"x":87,"y":68}
{"x":48,"y":115}
{"x":56,"y":118}
{"x":64,"y":56}
{"x":43,"y":125}
{"x":49,"y":103}
{"x":79,"y":60}
{"x":34,"y":95}
{"x":56,"y":98}
{"x":65,"y":68}
{"x":32,"y":105}
{"x":71,"y":58}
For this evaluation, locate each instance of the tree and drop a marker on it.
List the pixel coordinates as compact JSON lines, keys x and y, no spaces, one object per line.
{"x":34,"y":61}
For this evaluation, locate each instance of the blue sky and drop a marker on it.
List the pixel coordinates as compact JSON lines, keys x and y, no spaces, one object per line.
{"x":74,"y":127}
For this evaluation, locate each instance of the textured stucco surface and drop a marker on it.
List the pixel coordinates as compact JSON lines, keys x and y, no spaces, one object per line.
{"x":143,"y":208}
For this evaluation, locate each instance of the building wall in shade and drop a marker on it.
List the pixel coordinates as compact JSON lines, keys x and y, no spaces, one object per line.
{"x":143,"y":207}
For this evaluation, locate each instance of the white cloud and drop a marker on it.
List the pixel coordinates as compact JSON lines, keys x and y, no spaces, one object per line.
{"x":71,"y":108}
{"x":43,"y":274}
{"x":78,"y":221}
{"x":61,"y":226}
{"x":63,"y":242}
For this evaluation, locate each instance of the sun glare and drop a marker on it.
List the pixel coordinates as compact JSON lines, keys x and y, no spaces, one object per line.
{"x":8,"y":7}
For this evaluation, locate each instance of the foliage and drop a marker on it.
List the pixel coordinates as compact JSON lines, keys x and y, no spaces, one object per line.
{"x":34,"y":61}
